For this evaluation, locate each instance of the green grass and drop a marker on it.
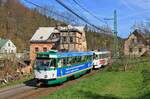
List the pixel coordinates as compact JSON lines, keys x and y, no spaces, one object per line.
{"x":11,"y":84}
{"x":110,"y":84}
{"x":102,"y":85}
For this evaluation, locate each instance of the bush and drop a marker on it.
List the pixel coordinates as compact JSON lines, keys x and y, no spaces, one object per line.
{"x":145,"y":90}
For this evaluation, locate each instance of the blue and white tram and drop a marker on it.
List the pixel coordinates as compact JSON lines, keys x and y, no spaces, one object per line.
{"x":56,"y":67}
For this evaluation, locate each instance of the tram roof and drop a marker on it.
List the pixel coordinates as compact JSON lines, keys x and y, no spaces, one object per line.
{"x":102,"y":52}
{"x":55,"y":54}
{"x":70,"y":54}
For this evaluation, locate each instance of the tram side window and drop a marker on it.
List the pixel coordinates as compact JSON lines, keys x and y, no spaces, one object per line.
{"x":69,"y":61}
{"x":62,"y":62}
{"x":103,"y":55}
{"x":82,"y":58}
{"x":75,"y":60}
{"x":85,"y":58}
{"x":65,"y":61}
{"x":89,"y":58}
{"x":107,"y":55}
{"x":100,"y":56}
{"x":52,"y":62}
{"x":78,"y":59}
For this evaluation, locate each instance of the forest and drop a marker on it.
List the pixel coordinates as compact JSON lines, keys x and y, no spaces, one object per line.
{"x":18,"y":23}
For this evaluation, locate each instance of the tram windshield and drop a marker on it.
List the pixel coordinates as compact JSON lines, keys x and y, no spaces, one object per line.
{"x":46,"y":62}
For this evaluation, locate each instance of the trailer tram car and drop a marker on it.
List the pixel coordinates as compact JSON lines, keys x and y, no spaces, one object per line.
{"x":101,"y":58}
{"x":56,"y":67}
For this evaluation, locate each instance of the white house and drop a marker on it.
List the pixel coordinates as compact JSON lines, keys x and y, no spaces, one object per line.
{"x":7,"y":46}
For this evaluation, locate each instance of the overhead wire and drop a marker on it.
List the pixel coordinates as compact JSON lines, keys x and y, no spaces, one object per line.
{"x":77,"y":9}
{"x":80,"y":17}
{"x":46,"y":9}
{"x":69,"y":4}
{"x":76,"y":2}
{"x":70,"y":10}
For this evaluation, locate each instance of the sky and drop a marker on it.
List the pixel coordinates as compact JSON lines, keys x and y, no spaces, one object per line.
{"x":129,"y":12}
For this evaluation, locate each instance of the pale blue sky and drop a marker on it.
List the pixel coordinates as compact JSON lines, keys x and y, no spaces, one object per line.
{"x":129,"y":11}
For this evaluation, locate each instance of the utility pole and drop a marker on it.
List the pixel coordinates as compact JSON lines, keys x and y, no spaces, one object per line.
{"x":115,"y":50}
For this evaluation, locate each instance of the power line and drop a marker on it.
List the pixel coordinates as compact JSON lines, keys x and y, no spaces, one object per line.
{"x":65,"y":16}
{"x":46,"y":9}
{"x":74,"y":7}
{"x":88,"y":11}
{"x":79,"y":16}
{"x":78,"y":11}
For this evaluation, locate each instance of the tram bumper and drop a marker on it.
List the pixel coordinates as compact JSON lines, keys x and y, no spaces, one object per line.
{"x":42,"y":74}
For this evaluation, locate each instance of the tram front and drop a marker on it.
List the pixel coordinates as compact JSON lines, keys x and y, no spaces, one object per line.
{"x":45,"y":67}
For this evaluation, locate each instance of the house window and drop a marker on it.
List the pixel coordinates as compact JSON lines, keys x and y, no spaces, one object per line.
{"x":45,"y":49}
{"x":138,"y":41}
{"x":41,"y":37}
{"x":71,"y":39}
{"x":5,"y":51}
{"x":64,"y":39}
{"x":36,"y":49}
{"x":130,"y":50}
{"x":132,"y":40}
{"x":12,"y":51}
{"x":8,"y":44}
{"x":140,"y":50}
{"x":78,"y":40}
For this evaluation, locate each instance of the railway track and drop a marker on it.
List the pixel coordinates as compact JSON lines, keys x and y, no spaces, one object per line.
{"x":24,"y":91}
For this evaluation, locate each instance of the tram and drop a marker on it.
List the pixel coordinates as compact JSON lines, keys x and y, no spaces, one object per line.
{"x":54,"y":67}
{"x":101,"y":58}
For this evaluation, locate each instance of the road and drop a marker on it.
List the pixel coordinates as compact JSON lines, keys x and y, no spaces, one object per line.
{"x":29,"y":91}
{"x":6,"y":93}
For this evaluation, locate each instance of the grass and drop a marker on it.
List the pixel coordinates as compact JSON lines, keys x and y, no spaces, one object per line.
{"x":105,"y":84}
{"x":110,"y":84}
{"x":11,"y":84}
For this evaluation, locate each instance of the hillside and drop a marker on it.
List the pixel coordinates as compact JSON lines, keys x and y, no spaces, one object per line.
{"x":19,"y":23}
{"x":100,"y":40}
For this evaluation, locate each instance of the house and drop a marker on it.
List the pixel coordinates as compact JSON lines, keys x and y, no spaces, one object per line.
{"x":7,"y":46}
{"x":136,"y":45}
{"x":68,"y":38}
{"x":72,"y":38}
